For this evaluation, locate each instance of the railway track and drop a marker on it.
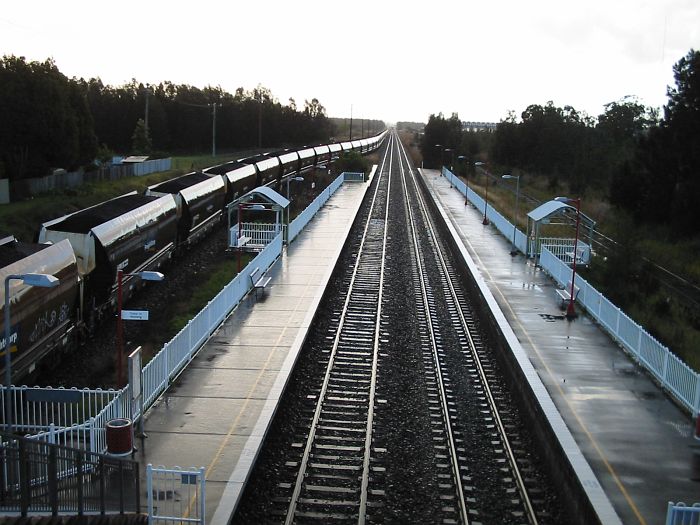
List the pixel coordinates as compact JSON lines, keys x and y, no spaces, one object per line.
{"x":399,"y":413}
{"x":333,"y":473}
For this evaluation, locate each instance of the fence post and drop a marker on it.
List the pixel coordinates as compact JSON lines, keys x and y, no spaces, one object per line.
{"x":79,"y":488}
{"x":149,"y":492}
{"x":202,"y":495}
{"x":696,"y":405}
{"x":53,"y":481}
{"x":638,"y":350}
{"x":91,"y":427}
{"x":103,"y":480}
{"x":24,"y":489}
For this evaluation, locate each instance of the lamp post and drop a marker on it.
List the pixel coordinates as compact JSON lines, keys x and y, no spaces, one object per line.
{"x":452,"y":151}
{"x":441,"y":152}
{"x":145,"y":276}
{"x":41,"y":280}
{"x":570,"y":310}
{"x":485,"y":221}
{"x":466,"y":181}
{"x":514,"y":251}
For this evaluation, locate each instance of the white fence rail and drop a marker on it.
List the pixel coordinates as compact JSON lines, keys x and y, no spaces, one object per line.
{"x":175,"y":495}
{"x":673,"y":374}
{"x":253,"y":233}
{"x":564,"y":249}
{"x":298,"y":224}
{"x":502,"y":224}
{"x":83,"y":425}
{"x":680,"y":514}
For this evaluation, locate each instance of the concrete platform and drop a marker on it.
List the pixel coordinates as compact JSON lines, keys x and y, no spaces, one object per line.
{"x":217,"y":412}
{"x":638,"y":443}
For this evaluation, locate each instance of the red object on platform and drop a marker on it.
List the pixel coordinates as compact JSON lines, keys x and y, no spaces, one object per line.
{"x":119,"y":437}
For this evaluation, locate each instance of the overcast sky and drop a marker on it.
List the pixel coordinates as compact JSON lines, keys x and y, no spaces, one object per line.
{"x":389,"y":60}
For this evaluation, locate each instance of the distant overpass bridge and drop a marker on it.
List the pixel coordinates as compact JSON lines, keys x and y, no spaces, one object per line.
{"x":479,"y":126}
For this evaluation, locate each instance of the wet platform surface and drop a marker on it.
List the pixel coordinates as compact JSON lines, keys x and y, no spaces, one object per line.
{"x":216,"y":414}
{"x":638,"y":443}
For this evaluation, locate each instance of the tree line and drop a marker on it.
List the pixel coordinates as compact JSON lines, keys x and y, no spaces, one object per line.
{"x":51,"y":121}
{"x":648,"y":164}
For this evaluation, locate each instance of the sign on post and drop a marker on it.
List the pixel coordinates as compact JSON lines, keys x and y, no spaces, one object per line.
{"x":135,"y":315}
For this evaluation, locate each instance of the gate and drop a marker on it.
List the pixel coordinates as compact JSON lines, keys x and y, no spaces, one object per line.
{"x":175,"y":495}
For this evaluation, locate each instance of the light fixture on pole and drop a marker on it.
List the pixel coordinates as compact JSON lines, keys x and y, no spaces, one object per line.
{"x":514,"y":250}
{"x":441,"y":152}
{"x":145,"y":276}
{"x":452,"y":151}
{"x":485,"y":221}
{"x":466,"y":181}
{"x":570,"y":310}
{"x":41,"y":280}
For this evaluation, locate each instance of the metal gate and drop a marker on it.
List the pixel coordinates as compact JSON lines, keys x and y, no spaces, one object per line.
{"x":175,"y":495}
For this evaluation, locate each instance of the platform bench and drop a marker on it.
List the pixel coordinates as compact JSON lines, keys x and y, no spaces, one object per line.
{"x":565,"y":294}
{"x":259,"y":280}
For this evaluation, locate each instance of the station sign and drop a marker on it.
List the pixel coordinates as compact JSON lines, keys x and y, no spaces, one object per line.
{"x":135,"y":315}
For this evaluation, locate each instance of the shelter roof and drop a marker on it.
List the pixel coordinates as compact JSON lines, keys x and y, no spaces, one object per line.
{"x":553,"y":208}
{"x":266,"y":195}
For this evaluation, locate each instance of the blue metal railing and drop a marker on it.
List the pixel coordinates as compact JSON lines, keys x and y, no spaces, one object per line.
{"x":680,"y":514}
{"x":502,"y":224}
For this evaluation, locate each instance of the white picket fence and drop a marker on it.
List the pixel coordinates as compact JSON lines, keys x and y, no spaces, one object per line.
{"x":82,"y":420}
{"x":673,"y":374}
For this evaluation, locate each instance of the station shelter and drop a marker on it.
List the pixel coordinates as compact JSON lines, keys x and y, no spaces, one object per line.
{"x":546,"y":226}
{"x":256,"y":218}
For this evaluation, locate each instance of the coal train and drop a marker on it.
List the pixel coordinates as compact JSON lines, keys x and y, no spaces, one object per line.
{"x":131,"y":233}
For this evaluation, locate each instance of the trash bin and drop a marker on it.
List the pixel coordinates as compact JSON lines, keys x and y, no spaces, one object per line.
{"x":120,"y":437}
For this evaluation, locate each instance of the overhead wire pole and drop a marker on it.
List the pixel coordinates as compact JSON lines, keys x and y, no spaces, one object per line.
{"x":213,"y":132}
{"x":145,"y":122}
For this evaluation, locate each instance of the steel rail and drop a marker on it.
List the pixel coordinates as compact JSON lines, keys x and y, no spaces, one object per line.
{"x":487,"y":389}
{"x":436,"y":358}
{"x":291,"y":511}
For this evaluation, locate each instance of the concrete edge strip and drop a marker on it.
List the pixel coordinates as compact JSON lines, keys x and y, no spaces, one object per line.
{"x":234,"y":486}
{"x":599,"y":500}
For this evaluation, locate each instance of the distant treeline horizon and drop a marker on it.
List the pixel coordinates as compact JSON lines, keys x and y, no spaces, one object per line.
{"x":51,"y":121}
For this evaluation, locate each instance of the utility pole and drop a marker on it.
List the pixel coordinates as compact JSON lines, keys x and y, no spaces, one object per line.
{"x":147,"y":92}
{"x":350,"y":121}
{"x":260,"y":123}
{"x":213,"y":132}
